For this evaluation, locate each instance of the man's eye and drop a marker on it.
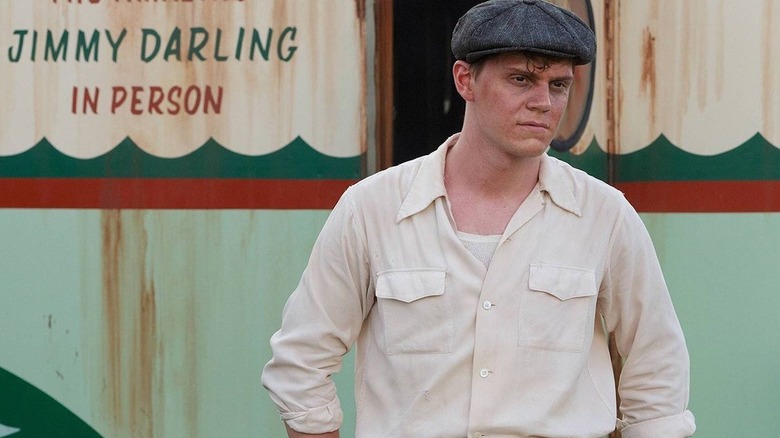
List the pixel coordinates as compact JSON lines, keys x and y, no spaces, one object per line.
{"x":520,"y":79}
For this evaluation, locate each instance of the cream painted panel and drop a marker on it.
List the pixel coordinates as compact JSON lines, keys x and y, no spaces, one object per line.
{"x":319,"y":94}
{"x":702,"y":72}
{"x":597,"y":125}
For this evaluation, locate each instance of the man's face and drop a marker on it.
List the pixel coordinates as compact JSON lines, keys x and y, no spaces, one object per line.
{"x":518,"y":102}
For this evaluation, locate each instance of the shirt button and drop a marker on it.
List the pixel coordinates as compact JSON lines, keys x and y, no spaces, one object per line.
{"x":487,"y":305}
{"x":484,"y":373}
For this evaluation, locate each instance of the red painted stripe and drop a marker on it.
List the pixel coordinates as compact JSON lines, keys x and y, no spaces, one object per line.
{"x":703,"y":196}
{"x":108,"y":193}
{"x":274,"y":194}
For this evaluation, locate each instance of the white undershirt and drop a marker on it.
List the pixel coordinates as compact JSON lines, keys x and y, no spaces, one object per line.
{"x":482,"y":247}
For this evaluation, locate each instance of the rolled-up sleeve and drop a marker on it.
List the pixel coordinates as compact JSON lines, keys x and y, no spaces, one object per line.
{"x":321,"y":320}
{"x":654,"y":383}
{"x":680,"y":425}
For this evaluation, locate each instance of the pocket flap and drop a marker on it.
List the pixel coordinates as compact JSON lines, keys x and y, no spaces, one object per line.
{"x":562,"y":282}
{"x":410,"y":285}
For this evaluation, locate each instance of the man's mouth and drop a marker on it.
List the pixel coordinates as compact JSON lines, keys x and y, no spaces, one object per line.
{"x":539,"y":125}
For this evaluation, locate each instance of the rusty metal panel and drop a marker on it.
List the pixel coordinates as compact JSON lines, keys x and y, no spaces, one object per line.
{"x":153,"y":320}
{"x":139,"y":323}
{"x":701,"y":72}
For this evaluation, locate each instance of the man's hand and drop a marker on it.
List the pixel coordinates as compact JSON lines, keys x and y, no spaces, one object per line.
{"x":294,"y":434}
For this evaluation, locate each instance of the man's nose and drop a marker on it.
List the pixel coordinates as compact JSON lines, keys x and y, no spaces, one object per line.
{"x":540,"y":98}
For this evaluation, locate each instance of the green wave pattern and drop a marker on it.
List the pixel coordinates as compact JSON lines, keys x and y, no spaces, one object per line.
{"x":593,"y":160}
{"x":297,"y":160}
{"x":755,"y":160}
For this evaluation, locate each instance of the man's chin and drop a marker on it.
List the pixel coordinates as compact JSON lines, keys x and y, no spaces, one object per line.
{"x":532,"y":149}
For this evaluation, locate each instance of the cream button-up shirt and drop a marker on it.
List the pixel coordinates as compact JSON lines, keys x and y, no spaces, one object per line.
{"x":449,"y":348}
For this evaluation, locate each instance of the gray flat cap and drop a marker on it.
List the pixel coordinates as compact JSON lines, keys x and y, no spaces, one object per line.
{"x":536,"y":26}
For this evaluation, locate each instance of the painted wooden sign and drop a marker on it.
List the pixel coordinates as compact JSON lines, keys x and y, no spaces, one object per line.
{"x":215,"y":94}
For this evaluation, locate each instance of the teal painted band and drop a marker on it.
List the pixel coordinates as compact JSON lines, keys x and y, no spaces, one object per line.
{"x":297,"y":160}
{"x":754,"y":160}
{"x":593,"y":160}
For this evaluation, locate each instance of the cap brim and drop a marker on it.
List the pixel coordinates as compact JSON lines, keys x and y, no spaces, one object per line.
{"x":475,"y":56}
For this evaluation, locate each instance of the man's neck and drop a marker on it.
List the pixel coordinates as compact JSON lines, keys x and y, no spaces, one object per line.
{"x":485,"y":188}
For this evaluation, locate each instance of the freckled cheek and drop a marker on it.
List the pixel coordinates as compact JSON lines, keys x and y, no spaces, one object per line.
{"x":559,"y":99}
{"x":559,"y":107}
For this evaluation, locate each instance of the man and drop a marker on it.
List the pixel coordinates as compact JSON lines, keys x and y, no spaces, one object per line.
{"x":479,"y":281}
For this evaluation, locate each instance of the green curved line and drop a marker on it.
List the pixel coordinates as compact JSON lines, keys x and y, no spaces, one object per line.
{"x":7,"y":431}
{"x":593,"y":160}
{"x":297,"y":160}
{"x":35,"y":413}
{"x":755,"y":160}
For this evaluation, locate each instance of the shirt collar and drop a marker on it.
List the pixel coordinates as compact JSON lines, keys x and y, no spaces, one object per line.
{"x":428,"y":184}
{"x":555,"y":178}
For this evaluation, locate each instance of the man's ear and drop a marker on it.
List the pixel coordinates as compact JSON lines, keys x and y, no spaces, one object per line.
{"x":464,"y":80}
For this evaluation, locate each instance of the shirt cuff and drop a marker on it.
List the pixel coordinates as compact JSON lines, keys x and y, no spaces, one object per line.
{"x":675,"y":426}
{"x":322,"y":419}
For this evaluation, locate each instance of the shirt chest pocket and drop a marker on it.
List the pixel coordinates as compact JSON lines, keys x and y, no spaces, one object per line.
{"x":416,"y":312}
{"x":556,"y":310}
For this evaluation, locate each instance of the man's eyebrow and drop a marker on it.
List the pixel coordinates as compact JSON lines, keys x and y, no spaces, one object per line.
{"x":568,"y":77}
{"x":513,"y":69}
{"x":565,"y":78}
